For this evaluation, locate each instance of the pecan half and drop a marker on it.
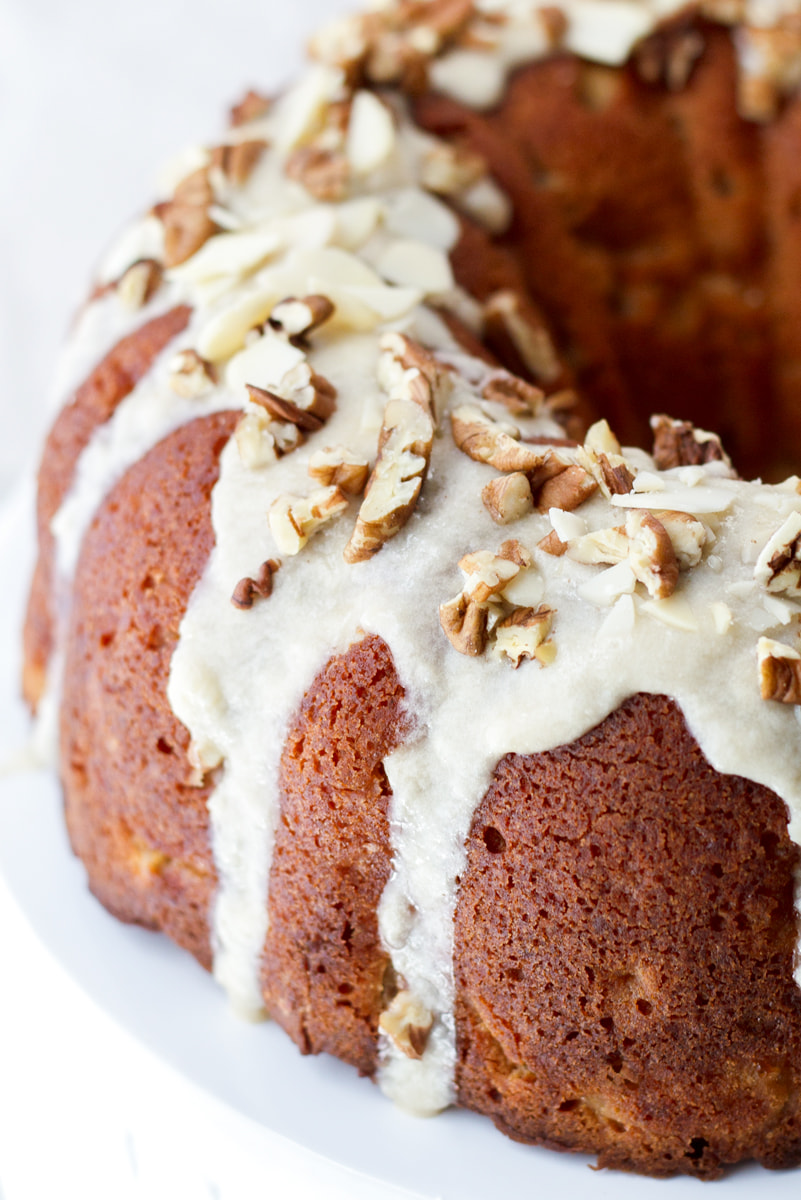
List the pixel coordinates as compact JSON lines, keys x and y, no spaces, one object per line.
{"x":779,"y":672}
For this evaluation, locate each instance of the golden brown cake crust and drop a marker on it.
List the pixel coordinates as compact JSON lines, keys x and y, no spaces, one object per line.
{"x":624,"y":954}
{"x":93,"y":404}
{"x":133,"y":816}
{"x":326,"y":977}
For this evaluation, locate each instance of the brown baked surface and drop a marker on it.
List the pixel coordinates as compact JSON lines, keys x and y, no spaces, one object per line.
{"x":624,"y":954}
{"x":325,"y":975}
{"x":134,"y":819}
{"x":92,"y":405}
{"x":660,"y":234}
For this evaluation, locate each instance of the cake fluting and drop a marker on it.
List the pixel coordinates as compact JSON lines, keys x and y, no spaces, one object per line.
{"x":451,"y":734}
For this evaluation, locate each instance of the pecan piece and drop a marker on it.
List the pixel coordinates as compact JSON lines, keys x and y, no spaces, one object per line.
{"x":236,"y":161}
{"x":323,"y":173}
{"x":779,"y":672}
{"x":522,"y":634}
{"x":248,"y":590}
{"x":651,"y":554}
{"x":778,"y":567}
{"x":680,"y":444}
{"x":250,"y":107}
{"x":488,"y":441}
{"x":464,"y":622}
{"x":516,"y":332}
{"x":298,"y":318}
{"x":508,"y":498}
{"x":408,"y":1023}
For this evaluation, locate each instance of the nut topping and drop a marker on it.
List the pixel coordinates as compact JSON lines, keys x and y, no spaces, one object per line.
{"x":298,"y":318}
{"x":324,"y":173}
{"x":414,"y":380}
{"x":250,"y":107}
{"x":294,"y":519}
{"x":778,"y":567}
{"x":449,"y":169}
{"x":186,"y":220}
{"x":408,"y":1024}
{"x":488,"y":441}
{"x":464,"y":622}
{"x":522,"y":635}
{"x":140,"y":282}
{"x":516,"y":332}
{"x":508,"y":498}
{"x":680,"y":444}
{"x":191,"y":375}
{"x":336,"y":465}
{"x":248,"y":590}
{"x":237,"y":161}
{"x":779,"y":672}
{"x":284,"y":410}
{"x":651,"y":554}
{"x":566,"y":490}
{"x":520,"y":398}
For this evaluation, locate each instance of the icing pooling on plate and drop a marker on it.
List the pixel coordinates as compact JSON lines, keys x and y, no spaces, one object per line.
{"x":237,"y":677}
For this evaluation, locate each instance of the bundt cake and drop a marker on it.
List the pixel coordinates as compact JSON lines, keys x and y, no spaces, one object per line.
{"x":449,"y":733}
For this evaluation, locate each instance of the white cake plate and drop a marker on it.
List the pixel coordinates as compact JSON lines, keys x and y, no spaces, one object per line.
{"x":163,"y":1000}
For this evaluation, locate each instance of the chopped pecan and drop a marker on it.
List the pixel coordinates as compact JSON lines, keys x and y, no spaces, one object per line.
{"x":408,"y":1023}
{"x":516,"y":332}
{"x":284,"y":410}
{"x":191,"y":375}
{"x":779,"y":672}
{"x":448,"y":169}
{"x":488,"y":441}
{"x":140,"y":282}
{"x":515,"y":394}
{"x":236,"y":161}
{"x":651,"y":554}
{"x":487,"y":574}
{"x":324,"y":173}
{"x":248,"y":590}
{"x":294,"y":519}
{"x":688,"y":535}
{"x":601,"y":547}
{"x":680,"y":444}
{"x":567,"y":489}
{"x":339,"y":466}
{"x":522,"y":634}
{"x":552,"y":544}
{"x":508,"y":498}
{"x":186,"y":220}
{"x":412,"y":378}
{"x":250,"y":107}
{"x":778,"y":567}
{"x":297,"y":318}
{"x":464,"y":621}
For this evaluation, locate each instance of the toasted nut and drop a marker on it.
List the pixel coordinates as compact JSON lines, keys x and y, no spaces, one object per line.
{"x":293,"y":519}
{"x":651,"y":554}
{"x":464,"y":622}
{"x":487,"y":441}
{"x":238,"y":160}
{"x":408,"y":1024}
{"x":522,"y":633}
{"x":284,"y":410}
{"x":779,"y":672}
{"x":601,"y":457}
{"x":680,"y":444}
{"x":336,"y":465}
{"x":688,"y":535}
{"x":186,"y":221}
{"x":603,"y":546}
{"x":778,"y":567}
{"x":516,"y":332}
{"x":324,"y":173}
{"x":515,"y":552}
{"x":601,"y":440}
{"x":553,"y":544}
{"x":250,"y":107}
{"x":140,"y":282}
{"x":487,"y":574}
{"x":261,"y":441}
{"x":567,"y":490}
{"x":297,"y":318}
{"x":519,"y":397}
{"x":248,"y":590}
{"x":413,"y":379}
{"x":508,"y":498}
{"x":191,"y":375}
